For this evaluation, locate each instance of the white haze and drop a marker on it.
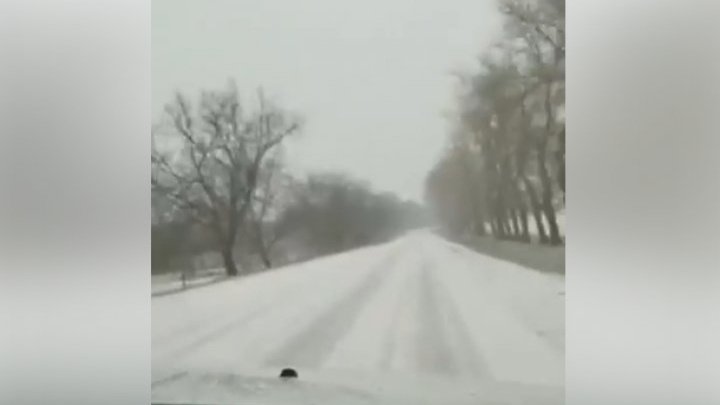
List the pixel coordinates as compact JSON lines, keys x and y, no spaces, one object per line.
{"x":371,"y":78}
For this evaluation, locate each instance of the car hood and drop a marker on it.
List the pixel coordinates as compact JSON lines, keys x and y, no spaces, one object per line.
{"x":349,"y":389}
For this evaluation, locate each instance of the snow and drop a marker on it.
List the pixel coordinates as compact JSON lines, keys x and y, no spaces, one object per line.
{"x":172,"y":282}
{"x":169,"y":286}
{"x":417,"y":320}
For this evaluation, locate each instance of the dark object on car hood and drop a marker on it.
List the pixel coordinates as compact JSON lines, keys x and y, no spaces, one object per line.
{"x":288,"y":373}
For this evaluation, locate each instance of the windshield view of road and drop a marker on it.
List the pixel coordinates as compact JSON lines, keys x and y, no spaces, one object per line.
{"x":387,"y":315}
{"x":358,"y":202}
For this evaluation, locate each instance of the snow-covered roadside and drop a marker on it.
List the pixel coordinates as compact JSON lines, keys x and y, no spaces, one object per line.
{"x":416,"y":316}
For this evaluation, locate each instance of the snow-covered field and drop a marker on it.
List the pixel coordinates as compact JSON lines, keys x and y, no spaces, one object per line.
{"x":416,"y":321}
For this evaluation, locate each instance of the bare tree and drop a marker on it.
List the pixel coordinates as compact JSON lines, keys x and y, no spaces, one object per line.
{"x":208,"y":159}
{"x":263,"y":231}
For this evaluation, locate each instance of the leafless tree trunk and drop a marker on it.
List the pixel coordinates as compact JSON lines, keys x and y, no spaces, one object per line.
{"x":262,"y":248}
{"x":547,"y":184}
{"x":536,"y":209}
{"x":561,"y":162}
{"x":547,"y":201}
{"x":523,"y":217}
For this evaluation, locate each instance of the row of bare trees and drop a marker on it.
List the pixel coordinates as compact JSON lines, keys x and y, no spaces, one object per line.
{"x":505,"y":164}
{"x":331,"y":212}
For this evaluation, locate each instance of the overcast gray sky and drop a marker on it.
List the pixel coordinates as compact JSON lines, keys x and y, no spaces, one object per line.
{"x":370,"y":78}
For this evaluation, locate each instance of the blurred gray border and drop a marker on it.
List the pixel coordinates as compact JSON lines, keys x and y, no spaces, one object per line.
{"x":75,"y":205}
{"x":643,"y":250}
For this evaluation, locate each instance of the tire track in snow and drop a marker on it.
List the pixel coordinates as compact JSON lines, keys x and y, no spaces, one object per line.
{"x":468,"y":356}
{"x":216,"y":333}
{"x":315,"y":342}
{"x":189,"y":348}
{"x":213,"y":315}
{"x":444,"y":343}
{"x":483,"y":290}
{"x":169,"y":379}
{"x":290,"y":293}
{"x":189,"y":327}
{"x":434,"y":353}
{"x":552,"y":333}
{"x":210,"y":313}
{"x":365,"y":346}
{"x":392,"y":335}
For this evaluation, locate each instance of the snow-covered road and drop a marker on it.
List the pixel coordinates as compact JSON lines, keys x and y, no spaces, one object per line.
{"x":418,"y":308}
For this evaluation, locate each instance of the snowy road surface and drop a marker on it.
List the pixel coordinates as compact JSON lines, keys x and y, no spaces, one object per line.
{"x":419,"y":315}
